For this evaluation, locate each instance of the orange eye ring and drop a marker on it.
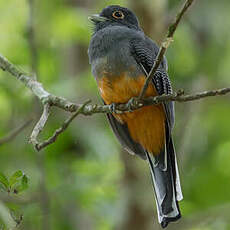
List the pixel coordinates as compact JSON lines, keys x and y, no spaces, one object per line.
{"x":118,"y":14}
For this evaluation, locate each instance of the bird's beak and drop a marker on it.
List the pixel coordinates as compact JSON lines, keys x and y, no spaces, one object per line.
{"x":97,"y":18}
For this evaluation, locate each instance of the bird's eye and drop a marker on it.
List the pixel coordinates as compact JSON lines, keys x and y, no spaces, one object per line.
{"x":118,"y":15}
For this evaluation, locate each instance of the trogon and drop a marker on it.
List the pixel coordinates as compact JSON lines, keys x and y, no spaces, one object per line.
{"x":120,"y":55}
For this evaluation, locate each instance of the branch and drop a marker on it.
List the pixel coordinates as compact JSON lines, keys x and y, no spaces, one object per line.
{"x":53,"y":138}
{"x":36,"y":87}
{"x":49,"y":100}
{"x":40,"y":125}
{"x":14,"y":133}
{"x":164,"y":46}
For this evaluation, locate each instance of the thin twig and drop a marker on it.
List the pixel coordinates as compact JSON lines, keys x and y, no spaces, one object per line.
{"x":135,"y":103}
{"x":60,"y":130}
{"x":28,"y":81}
{"x":36,"y":87}
{"x":164,"y":46}
{"x":186,"y":98}
{"x":40,"y":125}
{"x":14,"y":133}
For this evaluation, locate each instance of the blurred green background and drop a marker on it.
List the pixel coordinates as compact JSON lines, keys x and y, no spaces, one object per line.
{"x":85,"y":180}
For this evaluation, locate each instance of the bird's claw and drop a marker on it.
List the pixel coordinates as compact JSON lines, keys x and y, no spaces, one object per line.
{"x":132,"y":104}
{"x":113,"y":108}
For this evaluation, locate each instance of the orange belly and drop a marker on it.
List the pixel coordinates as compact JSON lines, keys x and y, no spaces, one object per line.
{"x":146,"y":125}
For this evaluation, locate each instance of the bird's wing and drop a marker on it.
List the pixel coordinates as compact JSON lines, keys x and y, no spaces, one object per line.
{"x":163,"y":167}
{"x":145,"y":52}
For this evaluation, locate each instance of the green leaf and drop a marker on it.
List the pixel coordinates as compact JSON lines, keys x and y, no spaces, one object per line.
{"x":24,"y":181}
{"x":4,"y":180}
{"x":23,"y":186}
{"x":2,"y":188}
{"x":15,"y":177}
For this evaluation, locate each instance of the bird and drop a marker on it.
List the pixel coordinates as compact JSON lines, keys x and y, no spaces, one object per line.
{"x":120,"y":55}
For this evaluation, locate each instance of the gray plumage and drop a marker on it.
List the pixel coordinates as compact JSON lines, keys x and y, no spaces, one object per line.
{"x":118,"y":46}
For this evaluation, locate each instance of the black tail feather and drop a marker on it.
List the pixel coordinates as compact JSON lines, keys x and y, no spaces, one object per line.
{"x":166,"y":184}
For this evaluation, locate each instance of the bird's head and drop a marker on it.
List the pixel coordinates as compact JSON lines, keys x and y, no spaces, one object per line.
{"x":115,"y":15}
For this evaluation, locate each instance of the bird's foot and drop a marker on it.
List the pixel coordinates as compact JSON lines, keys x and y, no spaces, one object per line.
{"x":113,"y":108}
{"x":133,"y":104}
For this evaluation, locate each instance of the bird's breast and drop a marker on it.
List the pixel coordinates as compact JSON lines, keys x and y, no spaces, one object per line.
{"x":146,"y":125}
{"x":115,"y":64}
{"x":119,"y":89}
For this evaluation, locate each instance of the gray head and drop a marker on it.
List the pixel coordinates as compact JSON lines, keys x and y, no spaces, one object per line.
{"x":115,"y":15}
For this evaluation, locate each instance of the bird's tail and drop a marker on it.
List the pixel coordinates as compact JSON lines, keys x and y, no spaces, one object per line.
{"x":166,"y":183}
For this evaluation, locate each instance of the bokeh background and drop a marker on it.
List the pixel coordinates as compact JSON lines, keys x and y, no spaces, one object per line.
{"x":85,"y":180}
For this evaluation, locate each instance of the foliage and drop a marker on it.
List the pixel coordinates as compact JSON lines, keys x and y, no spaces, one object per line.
{"x":16,"y":183}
